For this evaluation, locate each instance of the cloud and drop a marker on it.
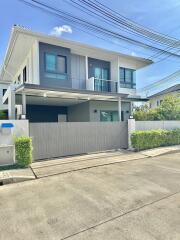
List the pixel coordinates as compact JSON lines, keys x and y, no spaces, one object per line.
{"x":57,"y":31}
{"x":133,"y":54}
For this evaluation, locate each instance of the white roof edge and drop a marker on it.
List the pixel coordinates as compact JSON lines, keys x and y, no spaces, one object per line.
{"x":8,"y":50}
{"x":18,"y":29}
{"x":43,"y":35}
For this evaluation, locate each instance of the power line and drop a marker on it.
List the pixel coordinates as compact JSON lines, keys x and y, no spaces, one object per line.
{"x":108,"y":21}
{"x":124,"y":20}
{"x":101,"y":17}
{"x":93,"y":27}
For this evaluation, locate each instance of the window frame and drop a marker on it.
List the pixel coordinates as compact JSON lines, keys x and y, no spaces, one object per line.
{"x":108,"y":111}
{"x":64,"y":57}
{"x":56,"y":56}
{"x":24,"y":74}
{"x":4,"y":91}
{"x":45,"y":65}
{"x":132,"y":83}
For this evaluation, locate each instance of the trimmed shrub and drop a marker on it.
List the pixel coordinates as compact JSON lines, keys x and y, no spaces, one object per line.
{"x":142,"y":140}
{"x":23,"y":147}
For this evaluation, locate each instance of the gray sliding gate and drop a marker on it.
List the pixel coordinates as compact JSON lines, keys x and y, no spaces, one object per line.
{"x":61,"y":139}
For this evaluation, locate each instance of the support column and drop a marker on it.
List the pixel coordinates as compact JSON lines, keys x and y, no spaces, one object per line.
{"x":119,"y":108}
{"x":11,"y":104}
{"x":86,"y":66}
{"x":131,"y":108}
{"x":24,"y":104}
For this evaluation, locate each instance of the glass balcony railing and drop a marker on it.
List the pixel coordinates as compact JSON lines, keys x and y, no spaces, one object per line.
{"x":101,"y":85}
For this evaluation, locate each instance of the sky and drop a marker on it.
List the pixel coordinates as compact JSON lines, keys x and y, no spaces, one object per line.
{"x":162,"y":16}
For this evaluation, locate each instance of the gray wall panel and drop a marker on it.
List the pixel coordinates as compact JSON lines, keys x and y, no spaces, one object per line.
{"x":62,"y":139}
{"x":78,"y":71}
{"x":52,"y":82}
{"x":79,"y":113}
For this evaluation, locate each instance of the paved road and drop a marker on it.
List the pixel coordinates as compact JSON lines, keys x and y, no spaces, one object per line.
{"x":138,"y":200}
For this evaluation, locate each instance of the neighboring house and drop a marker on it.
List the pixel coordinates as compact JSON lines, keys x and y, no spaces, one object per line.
{"x":55,"y":79}
{"x":156,"y":99}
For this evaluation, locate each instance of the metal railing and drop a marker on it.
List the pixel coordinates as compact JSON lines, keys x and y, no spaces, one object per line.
{"x":101,"y":85}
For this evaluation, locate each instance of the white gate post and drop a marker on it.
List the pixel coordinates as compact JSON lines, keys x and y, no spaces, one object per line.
{"x":11,"y":104}
{"x":131,"y":129}
{"x":119,"y":109}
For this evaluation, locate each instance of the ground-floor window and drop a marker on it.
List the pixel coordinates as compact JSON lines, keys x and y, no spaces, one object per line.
{"x":109,"y":116}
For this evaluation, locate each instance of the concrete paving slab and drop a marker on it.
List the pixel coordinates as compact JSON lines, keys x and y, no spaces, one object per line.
{"x":159,"y":151}
{"x":16,"y":175}
{"x":154,"y":221}
{"x":65,"y":205}
{"x":84,"y":157}
{"x":59,"y":166}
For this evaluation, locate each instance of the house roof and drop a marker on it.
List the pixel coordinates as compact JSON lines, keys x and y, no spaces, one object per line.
{"x":174,"y":88}
{"x":21,"y":40}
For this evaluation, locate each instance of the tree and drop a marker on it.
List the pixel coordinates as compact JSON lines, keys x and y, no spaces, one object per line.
{"x":168,"y":110}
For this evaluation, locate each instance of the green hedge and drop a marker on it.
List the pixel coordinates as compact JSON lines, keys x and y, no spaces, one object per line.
{"x":23,"y":147}
{"x":154,"y":138}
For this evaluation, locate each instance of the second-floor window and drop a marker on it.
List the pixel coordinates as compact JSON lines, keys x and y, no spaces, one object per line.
{"x":55,"y":66}
{"x":50,"y":62}
{"x":24,"y":74}
{"x":4,"y":91}
{"x":127,"y":78}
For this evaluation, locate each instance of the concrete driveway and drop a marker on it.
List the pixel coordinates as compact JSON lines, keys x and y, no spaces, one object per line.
{"x":138,"y":200}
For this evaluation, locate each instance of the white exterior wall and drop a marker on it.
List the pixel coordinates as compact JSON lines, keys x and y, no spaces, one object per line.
{"x":128,"y":63}
{"x":115,"y":70}
{"x":32,"y":65}
{"x":35,"y":65}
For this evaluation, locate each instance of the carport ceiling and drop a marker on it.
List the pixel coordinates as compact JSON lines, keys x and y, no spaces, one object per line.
{"x":49,"y":101}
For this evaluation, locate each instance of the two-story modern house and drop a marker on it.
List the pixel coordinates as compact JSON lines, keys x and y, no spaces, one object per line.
{"x":53,"y":79}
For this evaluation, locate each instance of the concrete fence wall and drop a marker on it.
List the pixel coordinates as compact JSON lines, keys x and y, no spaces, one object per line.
{"x":62,"y":139}
{"x":149,"y":125}
{"x":21,"y":128}
{"x":7,"y":137}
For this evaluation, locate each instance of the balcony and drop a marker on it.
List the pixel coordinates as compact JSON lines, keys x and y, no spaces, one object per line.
{"x":101,"y":85}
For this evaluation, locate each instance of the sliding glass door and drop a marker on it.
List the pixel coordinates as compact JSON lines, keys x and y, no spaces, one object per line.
{"x":101,"y":76}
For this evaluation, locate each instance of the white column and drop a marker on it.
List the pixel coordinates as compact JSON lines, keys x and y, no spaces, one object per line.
{"x":23,"y":103}
{"x":86,"y":66}
{"x":119,"y":108}
{"x":11,"y":104}
{"x":131,"y":108}
{"x":131,"y":129}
